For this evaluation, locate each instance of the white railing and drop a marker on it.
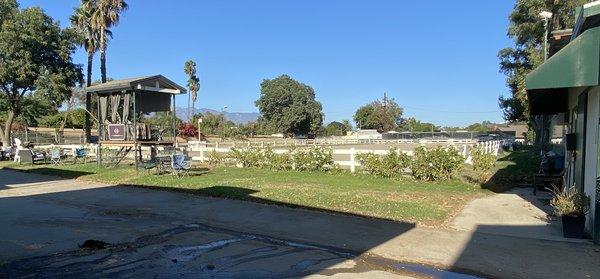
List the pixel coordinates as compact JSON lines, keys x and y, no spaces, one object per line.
{"x":351,"y":161}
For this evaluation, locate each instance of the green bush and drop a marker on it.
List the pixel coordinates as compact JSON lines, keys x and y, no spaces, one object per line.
{"x":389,"y":165}
{"x":217,"y":158}
{"x":482,"y":161}
{"x":313,"y":159}
{"x":261,"y":158}
{"x":436,"y":163}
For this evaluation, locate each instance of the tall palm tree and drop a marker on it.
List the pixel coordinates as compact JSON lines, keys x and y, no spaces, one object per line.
{"x":193,"y":83}
{"x":106,"y":14}
{"x":89,"y":37}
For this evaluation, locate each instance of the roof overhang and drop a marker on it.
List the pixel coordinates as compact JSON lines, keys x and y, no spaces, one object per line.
{"x":576,"y":65}
{"x":157,"y":84}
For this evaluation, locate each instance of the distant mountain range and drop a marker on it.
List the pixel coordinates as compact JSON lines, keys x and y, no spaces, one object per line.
{"x":235,"y":117}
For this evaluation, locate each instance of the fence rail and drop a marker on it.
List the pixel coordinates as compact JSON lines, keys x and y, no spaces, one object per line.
{"x":347,"y":157}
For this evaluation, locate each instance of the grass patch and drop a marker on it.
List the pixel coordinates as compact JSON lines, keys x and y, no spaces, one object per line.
{"x":514,"y":169}
{"x":426,"y":203}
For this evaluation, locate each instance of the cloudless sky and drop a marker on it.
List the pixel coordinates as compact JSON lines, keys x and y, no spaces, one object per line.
{"x":436,"y":58}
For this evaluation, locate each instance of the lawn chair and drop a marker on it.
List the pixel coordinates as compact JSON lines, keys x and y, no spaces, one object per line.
{"x":79,"y":155}
{"x":27,"y":156}
{"x":55,"y":156}
{"x":179,"y":164}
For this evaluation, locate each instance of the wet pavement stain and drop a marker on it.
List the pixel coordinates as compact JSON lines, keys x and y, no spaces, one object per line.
{"x":199,"y":251}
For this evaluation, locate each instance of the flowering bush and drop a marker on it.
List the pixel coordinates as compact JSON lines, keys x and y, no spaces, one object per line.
{"x":262,"y":158}
{"x":217,"y":158}
{"x":482,"y":161}
{"x":389,"y":165}
{"x":436,"y":163}
{"x":188,"y":130}
{"x":313,"y":159}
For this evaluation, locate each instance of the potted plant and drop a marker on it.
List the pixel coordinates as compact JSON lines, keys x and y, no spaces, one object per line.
{"x":572,"y":206}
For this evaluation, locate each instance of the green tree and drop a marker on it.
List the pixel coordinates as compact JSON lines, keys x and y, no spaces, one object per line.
{"x":35,"y":55}
{"x":415,"y":126}
{"x":89,"y":39}
{"x":335,"y":129}
{"x":383,"y":115}
{"x":105,"y":14}
{"x":479,"y":127}
{"x":528,"y":32}
{"x":193,"y":83}
{"x":289,"y":107}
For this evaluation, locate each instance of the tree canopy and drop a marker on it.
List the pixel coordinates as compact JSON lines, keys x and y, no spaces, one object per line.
{"x":289,"y":107}
{"x":35,"y":55}
{"x":414,"y":126}
{"x":527,"y":31}
{"x":383,"y":115}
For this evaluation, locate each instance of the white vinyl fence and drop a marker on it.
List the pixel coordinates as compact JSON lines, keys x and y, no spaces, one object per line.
{"x":347,"y":156}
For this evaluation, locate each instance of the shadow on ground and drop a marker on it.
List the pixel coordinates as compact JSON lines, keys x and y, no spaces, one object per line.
{"x":165,"y":234}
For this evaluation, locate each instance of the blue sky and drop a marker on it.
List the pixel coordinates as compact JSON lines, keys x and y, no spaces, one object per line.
{"x":436,"y":58}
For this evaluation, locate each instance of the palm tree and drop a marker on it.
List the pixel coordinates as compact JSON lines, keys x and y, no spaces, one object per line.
{"x":106,"y":13}
{"x":81,"y":20}
{"x":193,"y":83}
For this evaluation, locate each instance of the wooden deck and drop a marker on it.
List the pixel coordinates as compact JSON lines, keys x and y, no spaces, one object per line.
{"x":125,"y":143}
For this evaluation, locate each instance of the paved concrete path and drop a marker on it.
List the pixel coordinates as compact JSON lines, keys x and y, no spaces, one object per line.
{"x":164,"y":233}
{"x":500,"y":213}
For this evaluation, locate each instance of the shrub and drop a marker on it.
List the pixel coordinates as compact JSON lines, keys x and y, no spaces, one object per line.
{"x":217,"y":158}
{"x":313,"y":159}
{"x":389,"y":165}
{"x":188,"y":130}
{"x":570,"y":202}
{"x":436,"y":163}
{"x":482,"y":161}
{"x":249,"y":157}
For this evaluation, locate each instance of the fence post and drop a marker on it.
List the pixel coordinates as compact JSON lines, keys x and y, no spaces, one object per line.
{"x":233,"y":144}
{"x":202,"y":154}
{"x":352,"y":162}
{"x":217,"y":144}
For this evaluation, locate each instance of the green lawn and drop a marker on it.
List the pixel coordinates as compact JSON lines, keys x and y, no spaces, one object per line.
{"x":426,"y":203}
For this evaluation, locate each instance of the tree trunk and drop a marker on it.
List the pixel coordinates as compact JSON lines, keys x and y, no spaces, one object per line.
{"x":61,"y":131}
{"x":103,"y":54}
{"x":88,"y":99}
{"x":541,"y":128}
{"x":5,"y":133}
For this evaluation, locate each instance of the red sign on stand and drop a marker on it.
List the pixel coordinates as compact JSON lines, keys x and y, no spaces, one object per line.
{"x":116,"y":131}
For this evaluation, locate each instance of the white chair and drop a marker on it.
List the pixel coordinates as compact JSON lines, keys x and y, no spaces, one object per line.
{"x":17,"y":147}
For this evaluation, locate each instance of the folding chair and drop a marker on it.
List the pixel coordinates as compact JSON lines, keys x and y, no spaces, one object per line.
{"x":55,"y":156}
{"x":179,"y":164}
{"x":79,"y":155}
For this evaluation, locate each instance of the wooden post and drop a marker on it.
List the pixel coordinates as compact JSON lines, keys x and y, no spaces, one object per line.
{"x":352,"y":160}
{"x":201,"y":153}
{"x":135,"y":137}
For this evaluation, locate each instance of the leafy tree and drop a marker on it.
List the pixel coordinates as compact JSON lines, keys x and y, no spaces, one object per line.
{"x":288,"y":106}
{"x":193,"y":82}
{"x":105,"y":14}
{"x":527,"y":31}
{"x":35,"y":55}
{"x":335,"y":129}
{"x":479,"y":127}
{"x":384,"y":115}
{"x":415,"y":126}
{"x":89,"y":39}
{"x":162,"y":119}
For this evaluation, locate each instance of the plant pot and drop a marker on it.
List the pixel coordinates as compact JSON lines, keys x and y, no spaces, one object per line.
{"x":573,"y":227}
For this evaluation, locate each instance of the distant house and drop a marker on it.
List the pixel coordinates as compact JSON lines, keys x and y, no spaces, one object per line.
{"x":363,"y":135}
{"x":568,"y":85}
{"x":519,"y":130}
